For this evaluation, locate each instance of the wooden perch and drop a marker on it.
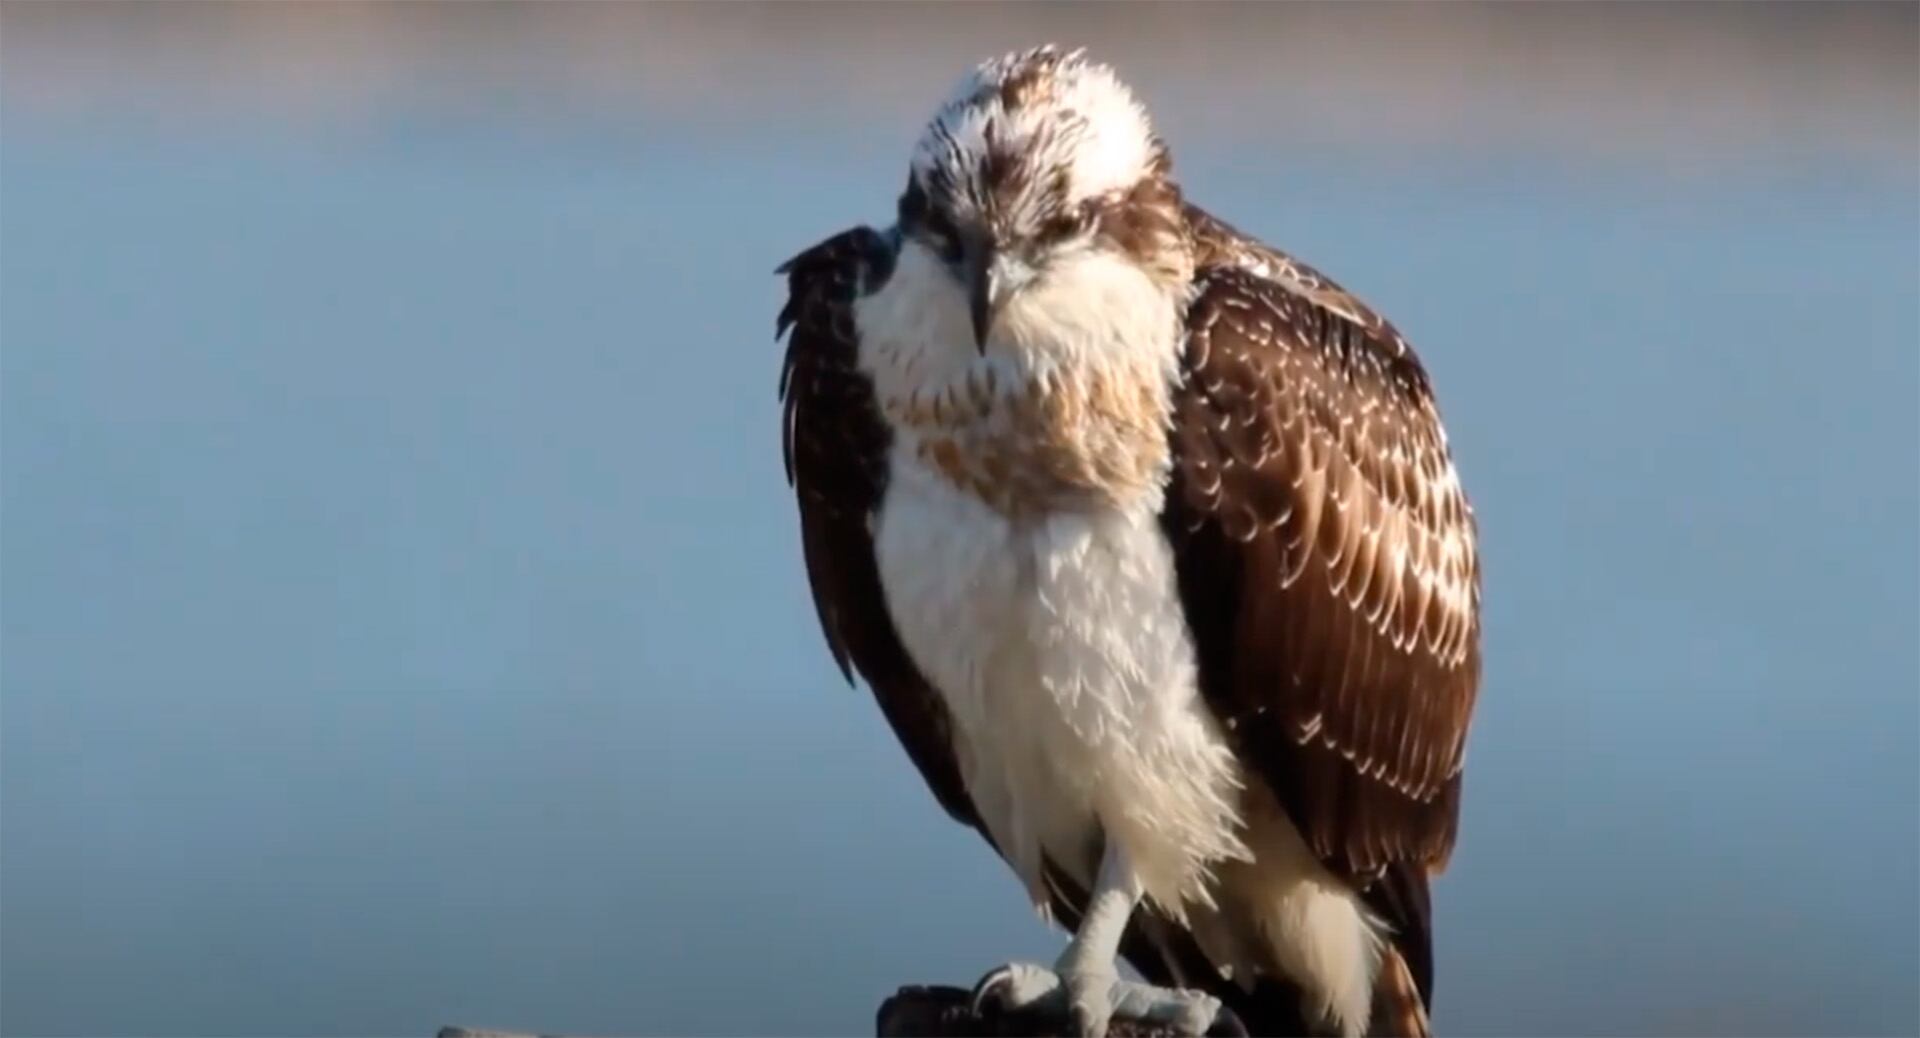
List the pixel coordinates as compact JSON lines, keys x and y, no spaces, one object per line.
{"x":934,"y":1012}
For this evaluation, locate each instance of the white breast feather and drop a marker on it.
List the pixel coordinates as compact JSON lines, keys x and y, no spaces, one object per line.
{"x":1058,"y":641}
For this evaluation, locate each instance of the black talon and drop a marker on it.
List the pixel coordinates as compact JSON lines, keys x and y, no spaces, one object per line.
{"x":1227,"y":1024}
{"x":987,"y":986}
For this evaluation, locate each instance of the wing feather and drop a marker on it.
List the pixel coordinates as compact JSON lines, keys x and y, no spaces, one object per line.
{"x":1313,"y":482}
{"x":835,"y":445}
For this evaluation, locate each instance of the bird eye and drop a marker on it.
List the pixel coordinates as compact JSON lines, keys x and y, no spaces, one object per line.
{"x":941,"y":234}
{"x":936,"y":229}
{"x":919,"y":218}
{"x":1066,"y":225}
{"x":913,"y":203}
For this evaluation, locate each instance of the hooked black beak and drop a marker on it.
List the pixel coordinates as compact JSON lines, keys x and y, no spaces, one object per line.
{"x":978,"y":260}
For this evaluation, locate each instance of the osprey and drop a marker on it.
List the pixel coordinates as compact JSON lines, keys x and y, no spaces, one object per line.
{"x":1148,"y":541}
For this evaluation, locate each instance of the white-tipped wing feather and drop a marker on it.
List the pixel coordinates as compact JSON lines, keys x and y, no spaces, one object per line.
{"x":1328,"y":555}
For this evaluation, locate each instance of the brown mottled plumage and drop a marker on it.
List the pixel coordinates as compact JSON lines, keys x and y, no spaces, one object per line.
{"x":1314,"y":477}
{"x":1072,"y":441}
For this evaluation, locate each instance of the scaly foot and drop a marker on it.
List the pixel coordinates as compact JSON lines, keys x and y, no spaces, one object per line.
{"x":1090,"y":998}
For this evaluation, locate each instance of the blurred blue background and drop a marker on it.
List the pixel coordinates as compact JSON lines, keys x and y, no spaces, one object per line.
{"x":403,"y":621}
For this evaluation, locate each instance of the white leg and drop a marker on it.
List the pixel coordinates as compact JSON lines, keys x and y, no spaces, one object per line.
{"x":1096,"y":945}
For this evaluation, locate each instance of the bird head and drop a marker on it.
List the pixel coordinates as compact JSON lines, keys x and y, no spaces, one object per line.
{"x":1042,"y":160}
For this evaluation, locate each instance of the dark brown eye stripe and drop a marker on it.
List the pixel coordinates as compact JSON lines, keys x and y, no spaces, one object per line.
{"x":913,"y":203}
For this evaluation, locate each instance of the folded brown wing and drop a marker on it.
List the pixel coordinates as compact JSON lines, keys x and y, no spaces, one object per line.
{"x":835,"y":443}
{"x":1328,"y":565}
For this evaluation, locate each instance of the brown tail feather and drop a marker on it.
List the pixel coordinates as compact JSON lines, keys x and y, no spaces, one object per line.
{"x":1398,"y":1009}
